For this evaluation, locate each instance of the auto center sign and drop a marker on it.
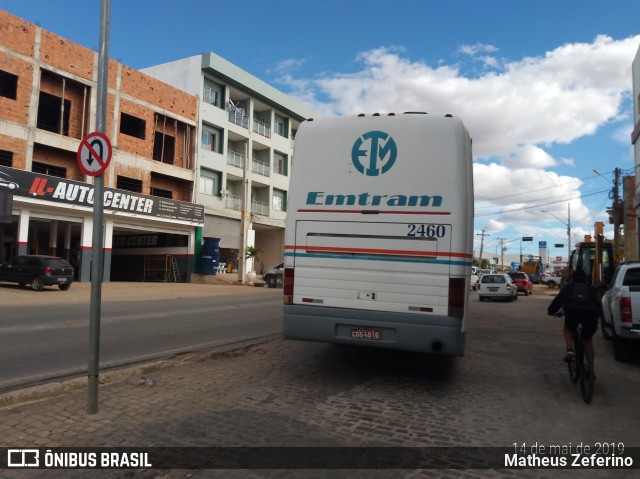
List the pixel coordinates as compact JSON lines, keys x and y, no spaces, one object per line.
{"x":61,"y":190}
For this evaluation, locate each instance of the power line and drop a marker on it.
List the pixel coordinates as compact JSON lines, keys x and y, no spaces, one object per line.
{"x":539,"y":205}
{"x":564,"y":197}
{"x":557,"y":186}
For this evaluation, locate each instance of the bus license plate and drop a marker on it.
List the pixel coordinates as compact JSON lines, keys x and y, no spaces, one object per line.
{"x":365,"y":333}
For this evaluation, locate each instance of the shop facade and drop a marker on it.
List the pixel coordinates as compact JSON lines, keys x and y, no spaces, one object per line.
{"x":146,"y":238}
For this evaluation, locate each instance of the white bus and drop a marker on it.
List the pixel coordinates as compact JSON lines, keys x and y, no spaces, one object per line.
{"x":379,"y":232}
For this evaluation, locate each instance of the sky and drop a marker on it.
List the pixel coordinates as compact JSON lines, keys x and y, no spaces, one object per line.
{"x":544,"y":87}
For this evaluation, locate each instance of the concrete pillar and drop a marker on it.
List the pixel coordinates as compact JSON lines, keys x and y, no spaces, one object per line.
{"x":67,"y":242}
{"x":108,"y":247}
{"x":23,"y":232}
{"x":86,"y":243}
{"x":53,"y":238}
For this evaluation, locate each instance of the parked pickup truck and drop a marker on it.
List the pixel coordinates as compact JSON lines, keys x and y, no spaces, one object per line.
{"x":620,"y":318}
{"x":551,"y":281}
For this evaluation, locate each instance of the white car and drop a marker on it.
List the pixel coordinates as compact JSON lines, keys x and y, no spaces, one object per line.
{"x":481,"y":272}
{"x":497,"y":286}
{"x":473,"y":282}
{"x":621,"y":311}
{"x":550,"y":280}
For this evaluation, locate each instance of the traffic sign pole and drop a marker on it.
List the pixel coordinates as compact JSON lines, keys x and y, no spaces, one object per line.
{"x":97,"y":262}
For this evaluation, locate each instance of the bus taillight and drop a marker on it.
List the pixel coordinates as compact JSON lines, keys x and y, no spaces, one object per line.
{"x":288,"y":286}
{"x":457,"y":287}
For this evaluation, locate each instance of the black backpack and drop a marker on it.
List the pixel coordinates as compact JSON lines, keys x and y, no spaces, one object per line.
{"x":579,"y":299}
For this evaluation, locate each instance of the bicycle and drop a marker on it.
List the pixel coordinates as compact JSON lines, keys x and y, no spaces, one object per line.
{"x":581,"y":366}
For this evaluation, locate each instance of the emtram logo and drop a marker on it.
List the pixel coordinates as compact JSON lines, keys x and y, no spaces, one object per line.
{"x":379,"y":148}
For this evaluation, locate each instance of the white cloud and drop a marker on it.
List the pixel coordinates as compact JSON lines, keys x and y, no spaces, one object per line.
{"x":473,"y":50}
{"x":565,"y":94}
{"x":517,"y":196}
{"x":479,"y":52}
{"x":529,"y":156}
{"x":514,"y":114}
{"x":286,"y":66}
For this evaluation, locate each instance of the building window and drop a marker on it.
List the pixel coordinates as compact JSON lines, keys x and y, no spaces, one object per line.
{"x":161,"y":193}
{"x":132,"y":126}
{"x":212,"y":139}
{"x":279,"y":201}
{"x":6,"y":158}
{"x":8,"y":85}
{"x":51,"y":170}
{"x":129,"y":184}
{"x":209,"y":182}
{"x":280,"y":163}
{"x":164,"y":147}
{"x":49,"y":114}
{"x":280,"y":126}
{"x":212,"y":93}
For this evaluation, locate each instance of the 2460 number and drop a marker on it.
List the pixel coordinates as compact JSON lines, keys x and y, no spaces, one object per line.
{"x":426,"y":231}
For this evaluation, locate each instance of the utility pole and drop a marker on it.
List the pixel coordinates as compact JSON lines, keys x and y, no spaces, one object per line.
{"x":242,"y":247}
{"x":617,"y":210}
{"x":482,"y":235}
{"x":501,"y":253}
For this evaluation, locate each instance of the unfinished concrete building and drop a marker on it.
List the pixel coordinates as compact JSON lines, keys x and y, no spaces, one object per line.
{"x":48,"y":98}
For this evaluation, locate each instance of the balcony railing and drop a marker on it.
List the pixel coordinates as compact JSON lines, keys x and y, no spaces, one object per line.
{"x":260,"y":168}
{"x":261,"y":128}
{"x":235,"y":159}
{"x":238,"y":117}
{"x":260,"y":208}
{"x":257,"y":207}
{"x":233,"y":203}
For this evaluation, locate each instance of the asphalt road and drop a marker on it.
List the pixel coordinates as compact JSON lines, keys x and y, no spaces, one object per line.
{"x":51,"y":341}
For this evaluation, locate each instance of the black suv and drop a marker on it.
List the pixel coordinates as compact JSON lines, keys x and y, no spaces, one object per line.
{"x":39,"y":271}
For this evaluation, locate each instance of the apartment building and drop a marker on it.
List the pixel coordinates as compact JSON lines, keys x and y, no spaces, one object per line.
{"x":245,"y":137}
{"x":632,"y":199}
{"x":48,"y":98}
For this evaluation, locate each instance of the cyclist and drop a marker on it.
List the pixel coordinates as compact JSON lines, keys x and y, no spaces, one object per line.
{"x":577,"y":311}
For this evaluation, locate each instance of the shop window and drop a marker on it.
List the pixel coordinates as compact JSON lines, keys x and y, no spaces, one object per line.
{"x":50,"y":117}
{"x":8,"y":85}
{"x":51,"y":170}
{"x":132,"y":126}
{"x":129,"y":184}
{"x":6,"y":158}
{"x":161,"y":193}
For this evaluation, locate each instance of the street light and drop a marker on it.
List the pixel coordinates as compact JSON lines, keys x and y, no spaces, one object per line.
{"x":568,"y":225}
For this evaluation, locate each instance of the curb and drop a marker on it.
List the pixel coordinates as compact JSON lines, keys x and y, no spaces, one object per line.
{"x":58,"y":388}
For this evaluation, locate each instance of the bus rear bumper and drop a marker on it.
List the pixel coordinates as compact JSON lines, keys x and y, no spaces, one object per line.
{"x":409,"y":332}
